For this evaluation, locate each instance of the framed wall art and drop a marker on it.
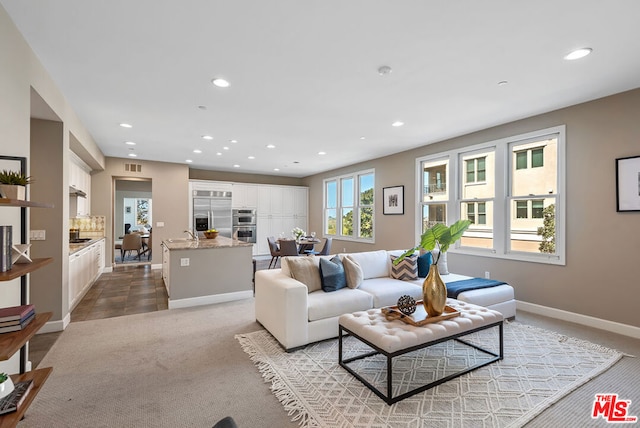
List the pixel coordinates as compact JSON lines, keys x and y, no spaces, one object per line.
{"x":393,"y":200}
{"x":628,"y":184}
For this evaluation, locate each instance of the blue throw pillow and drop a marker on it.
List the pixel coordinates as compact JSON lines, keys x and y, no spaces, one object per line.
{"x":332,"y":274}
{"x":424,"y":262}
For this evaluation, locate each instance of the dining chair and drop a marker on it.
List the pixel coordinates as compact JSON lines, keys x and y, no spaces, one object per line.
{"x":131,"y":242}
{"x":274,"y":249}
{"x":326,"y":249}
{"x":288,"y":248}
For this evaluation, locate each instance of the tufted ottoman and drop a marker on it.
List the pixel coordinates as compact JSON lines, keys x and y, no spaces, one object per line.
{"x":395,"y":338}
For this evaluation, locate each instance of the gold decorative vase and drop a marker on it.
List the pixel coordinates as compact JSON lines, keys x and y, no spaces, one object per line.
{"x":434,"y":292}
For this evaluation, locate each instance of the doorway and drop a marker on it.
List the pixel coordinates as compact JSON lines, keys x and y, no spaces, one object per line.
{"x":132,"y":214}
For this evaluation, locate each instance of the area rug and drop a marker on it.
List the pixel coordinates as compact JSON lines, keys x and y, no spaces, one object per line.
{"x":539,"y":368}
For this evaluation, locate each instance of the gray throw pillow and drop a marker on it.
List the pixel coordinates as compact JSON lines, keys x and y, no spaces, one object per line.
{"x":332,"y":274}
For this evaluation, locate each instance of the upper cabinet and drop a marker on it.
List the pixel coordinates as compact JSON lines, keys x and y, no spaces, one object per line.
{"x":244,"y":196}
{"x":79,"y":187}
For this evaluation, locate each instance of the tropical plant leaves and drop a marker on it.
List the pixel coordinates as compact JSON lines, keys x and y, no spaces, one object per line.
{"x":438,"y":235}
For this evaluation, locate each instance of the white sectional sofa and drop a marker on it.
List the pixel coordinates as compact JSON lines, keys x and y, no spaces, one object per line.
{"x":290,"y":304}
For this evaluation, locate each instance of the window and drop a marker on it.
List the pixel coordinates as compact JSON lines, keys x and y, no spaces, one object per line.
{"x":511,"y":189}
{"x":349,"y":206}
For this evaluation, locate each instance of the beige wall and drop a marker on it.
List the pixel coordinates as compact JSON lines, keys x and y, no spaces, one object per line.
{"x":170,"y":195}
{"x":600,"y":278}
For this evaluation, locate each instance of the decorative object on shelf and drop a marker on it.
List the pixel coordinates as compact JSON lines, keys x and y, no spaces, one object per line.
{"x":406,"y":304}
{"x":13,"y":400}
{"x":297,"y":233}
{"x":6,"y":385}
{"x":440,"y":237}
{"x":19,"y":253}
{"x":393,"y":200}
{"x":13,"y":184}
{"x":211,"y":234}
{"x":6,"y":240}
{"x":628,"y":184}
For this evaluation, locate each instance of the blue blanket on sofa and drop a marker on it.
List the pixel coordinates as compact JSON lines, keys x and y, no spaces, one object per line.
{"x":457,"y":287}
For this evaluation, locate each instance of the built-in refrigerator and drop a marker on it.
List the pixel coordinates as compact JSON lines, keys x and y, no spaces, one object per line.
{"x":212,"y":210}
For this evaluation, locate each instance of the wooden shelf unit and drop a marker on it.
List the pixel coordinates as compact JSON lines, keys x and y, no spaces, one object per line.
{"x":39,"y":376}
{"x":20,"y":269}
{"x":10,"y":343}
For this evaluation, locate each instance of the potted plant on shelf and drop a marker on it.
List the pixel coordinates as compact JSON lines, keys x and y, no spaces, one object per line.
{"x":440,"y":237}
{"x":6,"y":385}
{"x":13,"y":184}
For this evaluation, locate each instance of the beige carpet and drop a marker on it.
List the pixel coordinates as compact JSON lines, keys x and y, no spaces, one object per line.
{"x":539,"y":368}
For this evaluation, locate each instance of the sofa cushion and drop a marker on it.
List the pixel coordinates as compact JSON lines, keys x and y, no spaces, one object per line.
{"x":353,"y":272}
{"x":304,"y":269}
{"x":387,"y":291}
{"x":332,"y":277}
{"x":443,"y":268}
{"x":424,"y":263}
{"x":322,"y":305}
{"x":374,"y":264}
{"x":406,"y":270}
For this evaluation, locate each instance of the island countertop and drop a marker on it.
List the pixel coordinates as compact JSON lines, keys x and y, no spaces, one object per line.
{"x":189,"y":244}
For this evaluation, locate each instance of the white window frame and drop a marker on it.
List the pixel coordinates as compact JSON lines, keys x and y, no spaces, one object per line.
{"x":501,"y":221}
{"x":356,"y":207}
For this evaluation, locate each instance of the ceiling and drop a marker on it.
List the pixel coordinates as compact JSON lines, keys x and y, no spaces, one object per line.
{"x":304,"y":74}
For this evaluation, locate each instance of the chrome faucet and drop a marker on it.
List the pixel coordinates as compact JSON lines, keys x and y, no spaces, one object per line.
{"x":194,"y":237}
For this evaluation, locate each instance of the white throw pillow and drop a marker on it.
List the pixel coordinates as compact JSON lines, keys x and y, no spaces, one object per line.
{"x":443,"y":269}
{"x":374,"y":264}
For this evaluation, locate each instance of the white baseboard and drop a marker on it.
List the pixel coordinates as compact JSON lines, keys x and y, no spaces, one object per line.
{"x":156,"y":266}
{"x":53,"y":326}
{"x":612,"y":326}
{"x":208,"y":300}
{"x":108,"y":269}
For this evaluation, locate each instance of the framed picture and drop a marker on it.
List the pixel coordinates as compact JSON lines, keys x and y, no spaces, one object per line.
{"x":393,"y":200}
{"x":628,"y":184}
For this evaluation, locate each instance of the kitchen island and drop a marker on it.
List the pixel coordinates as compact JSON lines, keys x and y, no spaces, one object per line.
{"x":206,"y":271}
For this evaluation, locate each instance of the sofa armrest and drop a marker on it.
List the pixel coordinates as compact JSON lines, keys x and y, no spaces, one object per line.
{"x":281,"y":307}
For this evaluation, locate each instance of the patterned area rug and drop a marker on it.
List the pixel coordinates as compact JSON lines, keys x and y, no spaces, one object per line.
{"x":539,"y":368}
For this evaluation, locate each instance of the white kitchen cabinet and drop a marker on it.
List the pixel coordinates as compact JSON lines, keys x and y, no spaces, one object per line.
{"x":244,"y":196}
{"x":79,"y":179}
{"x":85,"y":266}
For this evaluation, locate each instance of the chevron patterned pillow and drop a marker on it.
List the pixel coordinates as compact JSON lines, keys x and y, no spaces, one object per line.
{"x":406,"y":270}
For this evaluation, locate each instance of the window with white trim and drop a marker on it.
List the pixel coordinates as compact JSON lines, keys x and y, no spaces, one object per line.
{"x":511,"y":189}
{"x":349,"y":206}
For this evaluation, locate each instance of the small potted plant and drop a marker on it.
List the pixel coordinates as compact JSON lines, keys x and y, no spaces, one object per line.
{"x":6,"y":385}
{"x":13,"y":184}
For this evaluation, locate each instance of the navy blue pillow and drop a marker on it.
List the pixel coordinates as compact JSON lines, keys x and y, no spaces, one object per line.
{"x":332,"y":275}
{"x":424,"y":262}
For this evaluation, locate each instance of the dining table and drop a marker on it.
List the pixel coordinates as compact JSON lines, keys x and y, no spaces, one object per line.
{"x":304,"y":244}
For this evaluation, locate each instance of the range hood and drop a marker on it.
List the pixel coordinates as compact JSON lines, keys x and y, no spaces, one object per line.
{"x":75,"y":192}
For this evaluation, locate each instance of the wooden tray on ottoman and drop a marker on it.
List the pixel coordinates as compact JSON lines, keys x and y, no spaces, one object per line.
{"x":420,"y":316}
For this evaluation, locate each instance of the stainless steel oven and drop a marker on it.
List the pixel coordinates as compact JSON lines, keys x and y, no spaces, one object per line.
{"x":245,"y":233}
{"x":244,"y":217}
{"x":245,"y":225}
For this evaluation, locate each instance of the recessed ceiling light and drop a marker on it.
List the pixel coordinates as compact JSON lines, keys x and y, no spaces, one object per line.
{"x":130,"y":143}
{"x":218,"y":154}
{"x":270,"y":146}
{"x":322,"y":153}
{"x":276,"y":169}
{"x":384,"y":70}
{"x":188,"y":161}
{"x":220,"y":83}
{"x":207,"y":137}
{"x":251,"y":157}
{"x":225,"y":148}
{"x":502,"y":83}
{"x":236,"y":166}
{"x":397,"y":123}
{"x":126,"y":125}
{"x":363,"y":137}
{"x":133,"y":155}
{"x":578,"y":53}
{"x":197,"y":151}
{"x":233,"y":141}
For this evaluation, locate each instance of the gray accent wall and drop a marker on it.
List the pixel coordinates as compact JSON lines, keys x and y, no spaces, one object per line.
{"x":602,"y":269}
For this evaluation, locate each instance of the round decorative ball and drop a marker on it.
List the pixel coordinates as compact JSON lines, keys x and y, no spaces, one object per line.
{"x":406,"y":304}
